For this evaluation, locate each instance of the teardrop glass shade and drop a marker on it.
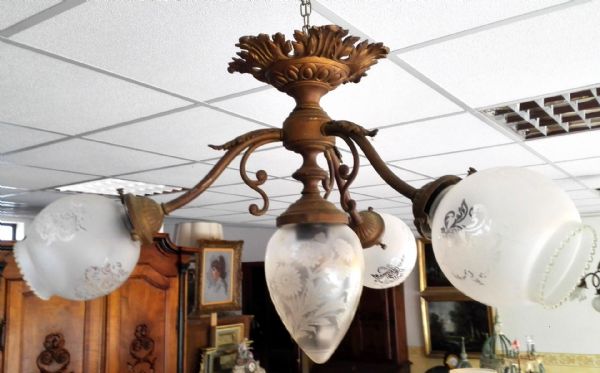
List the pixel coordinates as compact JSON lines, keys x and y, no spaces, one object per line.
{"x":389,"y":267}
{"x":77,"y":248}
{"x":315,"y":273}
{"x":507,"y":236}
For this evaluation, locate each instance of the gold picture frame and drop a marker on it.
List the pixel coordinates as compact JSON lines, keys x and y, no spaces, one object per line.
{"x":431,"y":276}
{"x":222,"y":335}
{"x":449,"y":315}
{"x":218,"y":276}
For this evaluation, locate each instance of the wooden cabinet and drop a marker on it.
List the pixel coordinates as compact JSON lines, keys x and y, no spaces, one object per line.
{"x":134,"y":329}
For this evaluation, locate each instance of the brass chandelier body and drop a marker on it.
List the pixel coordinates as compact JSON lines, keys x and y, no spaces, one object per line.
{"x":317,"y":62}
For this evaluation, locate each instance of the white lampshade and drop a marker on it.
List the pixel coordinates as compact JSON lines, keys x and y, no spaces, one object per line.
{"x":188,"y":233}
{"x":389,"y":267}
{"x":509,"y":235}
{"x":315,"y":273}
{"x":78,"y":248}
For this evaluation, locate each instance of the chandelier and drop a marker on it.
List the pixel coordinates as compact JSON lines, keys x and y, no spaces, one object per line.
{"x":502,"y":236}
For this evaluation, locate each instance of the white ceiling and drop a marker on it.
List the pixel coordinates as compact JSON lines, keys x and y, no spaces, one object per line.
{"x":137,"y":90}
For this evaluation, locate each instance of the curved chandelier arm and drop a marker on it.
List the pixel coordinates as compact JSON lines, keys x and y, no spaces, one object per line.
{"x":344,"y":177}
{"x":261,"y":177}
{"x":328,"y":183}
{"x":234,"y":148}
{"x":359,"y":135}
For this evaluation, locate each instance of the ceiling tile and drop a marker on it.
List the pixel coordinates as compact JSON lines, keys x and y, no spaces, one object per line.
{"x":15,"y":137}
{"x":273,"y":188}
{"x":184,"y":134}
{"x":549,"y":171}
{"x":480,"y":159}
{"x":180,"y":46}
{"x":583,"y":167}
{"x":402,"y":23}
{"x":567,"y":147}
{"x":536,"y":56}
{"x":13,"y":11}
{"x":184,"y":176}
{"x":583,"y":194}
{"x":23,"y":177}
{"x":377,"y":191}
{"x":388,"y":95}
{"x":46,"y":93}
{"x":378,"y":204}
{"x":448,"y":134}
{"x":587,"y":202}
{"x":90,"y":157}
{"x":368,"y":176}
{"x":568,"y":184}
{"x":592,"y":182}
{"x":277,"y":162}
{"x":37,"y":199}
{"x":196,"y":213}
{"x":243,"y":206}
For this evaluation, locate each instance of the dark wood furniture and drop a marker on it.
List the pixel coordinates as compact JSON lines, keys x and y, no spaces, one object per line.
{"x":376,"y":340}
{"x":131,"y":330}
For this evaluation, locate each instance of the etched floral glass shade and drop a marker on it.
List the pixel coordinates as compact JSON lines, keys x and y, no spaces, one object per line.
{"x":508,"y":235}
{"x":314,"y":273}
{"x":78,"y":248}
{"x":390,"y":266}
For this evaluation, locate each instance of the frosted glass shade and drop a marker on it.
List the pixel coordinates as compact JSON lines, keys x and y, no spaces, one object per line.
{"x":507,"y":236}
{"x":188,"y":233}
{"x":385,"y":268}
{"x":78,"y":248}
{"x":315,"y":273}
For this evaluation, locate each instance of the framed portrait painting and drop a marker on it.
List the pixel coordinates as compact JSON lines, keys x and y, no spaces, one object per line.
{"x":219,"y":276}
{"x":448,"y":319}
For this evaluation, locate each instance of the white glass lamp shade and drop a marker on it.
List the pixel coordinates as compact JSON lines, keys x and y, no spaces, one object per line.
{"x":188,"y":233}
{"x":385,"y":268}
{"x":315,"y":273}
{"x":77,"y":248}
{"x":507,"y":236}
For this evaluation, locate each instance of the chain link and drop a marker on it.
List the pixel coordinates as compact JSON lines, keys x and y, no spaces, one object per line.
{"x":305,"y":9}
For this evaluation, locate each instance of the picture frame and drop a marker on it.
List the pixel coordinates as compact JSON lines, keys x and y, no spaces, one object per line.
{"x":222,"y":335}
{"x":449,"y":315}
{"x":218,"y":276}
{"x":430,"y":273}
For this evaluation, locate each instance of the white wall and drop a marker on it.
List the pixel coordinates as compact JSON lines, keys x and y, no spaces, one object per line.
{"x":255,"y":238}
{"x":571,"y":328}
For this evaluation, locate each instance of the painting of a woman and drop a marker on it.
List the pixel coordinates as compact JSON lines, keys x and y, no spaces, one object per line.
{"x":217,"y":273}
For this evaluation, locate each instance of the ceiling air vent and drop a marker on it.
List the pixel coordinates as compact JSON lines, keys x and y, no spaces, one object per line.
{"x":557,"y":114}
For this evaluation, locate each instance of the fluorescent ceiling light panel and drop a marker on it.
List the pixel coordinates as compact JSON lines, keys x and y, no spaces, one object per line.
{"x":548,"y":53}
{"x":110,"y":186}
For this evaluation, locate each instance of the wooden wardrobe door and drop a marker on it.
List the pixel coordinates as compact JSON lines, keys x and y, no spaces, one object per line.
{"x":37,"y":330}
{"x":141,"y":332}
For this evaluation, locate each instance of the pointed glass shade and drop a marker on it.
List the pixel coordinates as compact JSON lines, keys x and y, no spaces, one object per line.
{"x":508,"y":236}
{"x":390,"y":266}
{"x":314,"y":273}
{"x":77,"y":248}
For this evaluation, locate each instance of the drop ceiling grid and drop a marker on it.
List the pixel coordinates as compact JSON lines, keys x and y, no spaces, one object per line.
{"x":383,"y":155}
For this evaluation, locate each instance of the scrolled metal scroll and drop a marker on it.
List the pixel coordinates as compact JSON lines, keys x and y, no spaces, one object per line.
{"x":261,"y":177}
{"x":234,"y":148}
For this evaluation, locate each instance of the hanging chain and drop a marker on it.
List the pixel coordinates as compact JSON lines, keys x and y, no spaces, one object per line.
{"x":305,"y":10}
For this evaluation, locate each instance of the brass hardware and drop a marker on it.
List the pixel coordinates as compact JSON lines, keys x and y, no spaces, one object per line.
{"x":370,"y":228}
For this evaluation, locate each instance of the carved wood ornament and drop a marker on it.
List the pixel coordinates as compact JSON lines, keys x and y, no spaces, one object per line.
{"x":142,"y":351}
{"x":55,"y":358}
